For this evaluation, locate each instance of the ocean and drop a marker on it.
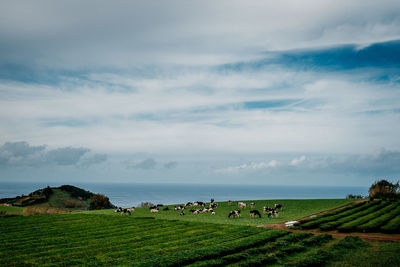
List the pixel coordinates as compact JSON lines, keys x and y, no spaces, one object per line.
{"x":128,"y":195}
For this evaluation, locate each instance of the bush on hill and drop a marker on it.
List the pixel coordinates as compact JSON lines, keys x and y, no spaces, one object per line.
{"x":384,"y":190}
{"x":99,"y":201}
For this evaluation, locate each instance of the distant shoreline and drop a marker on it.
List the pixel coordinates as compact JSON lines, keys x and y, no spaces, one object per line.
{"x":133,"y":194}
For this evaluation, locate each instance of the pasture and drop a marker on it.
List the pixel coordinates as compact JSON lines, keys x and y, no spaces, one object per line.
{"x":84,"y":239}
{"x":372,"y":216}
{"x":293,"y":209}
{"x":104,"y":237}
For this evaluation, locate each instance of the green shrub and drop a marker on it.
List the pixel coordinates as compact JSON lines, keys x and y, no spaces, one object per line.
{"x":314,"y":258}
{"x":350,"y":242}
{"x":99,"y":201}
{"x":393,"y":226}
{"x":317,"y":240}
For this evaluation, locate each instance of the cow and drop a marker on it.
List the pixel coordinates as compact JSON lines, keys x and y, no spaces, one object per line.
{"x":213,"y":205}
{"x":166,"y":208}
{"x":159,"y":205}
{"x":213,"y":213}
{"x":229,"y":202}
{"x":199,"y":203}
{"x":267,"y":209}
{"x":118,"y":210}
{"x":252,"y":205}
{"x":179,"y":208}
{"x":254,"y":213}
{"x":234,"y":214}
{"x":242,"y":205}
{"x":189,"y":204}
{"x":126,"y":211}
{"x":273,"y":213}
{"x":182,"y":213}
{"x":278,"y":206}
{"x":154,"y":210}
{"x":153,"y":207}
{"x":132,"y":209}
{"x":212,"y":200}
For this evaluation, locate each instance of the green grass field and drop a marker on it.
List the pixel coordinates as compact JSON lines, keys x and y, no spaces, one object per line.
{"x":292,"y":210}
{"x":374,"y":216}
{"x":98,"y":238}
{"x":95,"y":240}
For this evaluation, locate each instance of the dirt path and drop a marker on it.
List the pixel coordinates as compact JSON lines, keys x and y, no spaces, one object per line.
{"x":365,"y":236}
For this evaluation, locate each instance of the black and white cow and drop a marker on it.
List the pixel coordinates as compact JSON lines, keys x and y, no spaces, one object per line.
{"x":166,"y":208}
{"x":213,"y":205}
{"x":278,"y":206}
{"x":199,"y":203}
{"x":179,"y":208}
{"x":267,"y":209}
{"x":229,"y":202}
{"x":252,"y":205}
{"x":189,"y":204}
{"x":273,"y":213}
{"x":182,"y":213}
{"x":234,"y":214}
{"x":254,"y":213}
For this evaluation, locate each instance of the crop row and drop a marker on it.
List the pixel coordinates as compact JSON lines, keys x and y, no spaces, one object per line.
{"x":365,"y":217}
{"x":335,"y":222}
{"x":332,"y":217}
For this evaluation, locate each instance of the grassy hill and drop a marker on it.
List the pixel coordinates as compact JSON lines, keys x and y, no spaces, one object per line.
{"x":53,"y":200}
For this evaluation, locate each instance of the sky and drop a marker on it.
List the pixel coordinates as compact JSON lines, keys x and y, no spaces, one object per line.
{"x":202,"y":92}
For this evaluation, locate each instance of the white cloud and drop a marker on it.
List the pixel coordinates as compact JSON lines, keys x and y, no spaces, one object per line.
{"x":251,"y":166}
{"x":297,"y":161}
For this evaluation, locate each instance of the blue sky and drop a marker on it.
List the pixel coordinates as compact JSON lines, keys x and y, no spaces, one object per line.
{"x":300,"y":93}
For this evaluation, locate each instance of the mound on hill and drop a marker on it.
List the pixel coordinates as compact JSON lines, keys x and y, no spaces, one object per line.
{"x":65,"y":197}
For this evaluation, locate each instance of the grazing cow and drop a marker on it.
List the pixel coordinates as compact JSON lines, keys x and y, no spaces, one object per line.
{"x":153,"y":207}
{"x":213,"y":213}
{"x":234,"y":214}
{"x":273,"y":213}
{"x":132,"y":209}
{"x":159,"y":205}
{"x":199,"y":203}
{"x":189,"y":204}
{"x":278,"y":206}
{"x":179,"y":208}
{"x":267,"y":209}
{"x":126,"y":211}
{"x":154,"y":210}
{"x":254,"y":213}
{"x":182,"y":213}
{"x":212,"y":200}
{"x":118,"y":210}
{"x":166,"y":208}
{"x":252,"y":204}
{"x":229,"y":202}
{"x":213,"y":205}
{"x":242,"y":205}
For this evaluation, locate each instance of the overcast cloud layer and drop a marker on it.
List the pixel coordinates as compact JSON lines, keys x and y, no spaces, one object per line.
{"x":264,"y":92}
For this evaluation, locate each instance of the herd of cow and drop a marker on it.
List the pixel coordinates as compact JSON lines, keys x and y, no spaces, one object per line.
{"x":271,"y":212}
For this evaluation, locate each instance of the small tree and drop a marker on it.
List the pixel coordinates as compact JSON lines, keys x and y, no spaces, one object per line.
{"x":384,"y":189}
{"x":99,"y":201}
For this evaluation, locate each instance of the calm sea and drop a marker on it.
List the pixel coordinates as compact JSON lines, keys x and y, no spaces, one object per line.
{"x":127,"y":195}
